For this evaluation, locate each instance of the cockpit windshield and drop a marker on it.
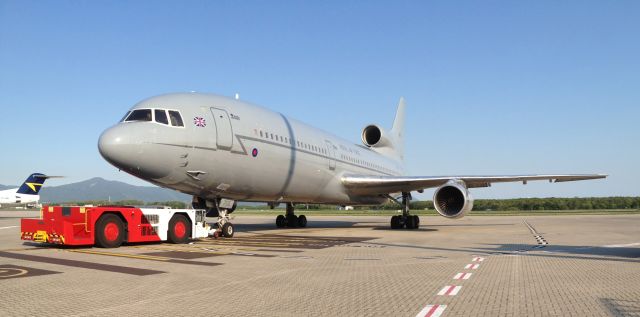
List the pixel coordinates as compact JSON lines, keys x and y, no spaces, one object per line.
{"x":139,"y":115}
{"x":161,"y":116}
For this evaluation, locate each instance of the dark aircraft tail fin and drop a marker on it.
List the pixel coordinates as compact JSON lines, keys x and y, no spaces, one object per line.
{"x":32,"y":185}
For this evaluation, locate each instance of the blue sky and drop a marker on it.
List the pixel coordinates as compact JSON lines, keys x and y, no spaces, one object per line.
{"x":493,"y":87}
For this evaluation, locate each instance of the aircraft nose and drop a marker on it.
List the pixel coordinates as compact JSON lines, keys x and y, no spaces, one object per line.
{"x":114,"y":147}
{"x":129,"y":148}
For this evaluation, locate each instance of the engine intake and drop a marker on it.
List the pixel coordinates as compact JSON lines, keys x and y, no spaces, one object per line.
{"x":374,"y":136}
{"x":452,"y":200}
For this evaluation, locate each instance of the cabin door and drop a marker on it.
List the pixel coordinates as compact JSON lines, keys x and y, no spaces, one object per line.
{"x":224,"y":131}
{"x":332,"y":155}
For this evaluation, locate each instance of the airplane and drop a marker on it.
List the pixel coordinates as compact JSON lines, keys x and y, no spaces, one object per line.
{"x":27,"y":193}
{"x":222,"y":150}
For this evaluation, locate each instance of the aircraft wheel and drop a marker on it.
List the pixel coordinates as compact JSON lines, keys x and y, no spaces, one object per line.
{"x":302,"y":221}
{"x":109,"y":231}
{"x":227,"y":230}
{"x":281,"y":221}
{"x":179,"y":229}
{"x":410,"y":222}
{"x":292,"y":221}
{"x":416,"y":221}
{"x":395,"y":222}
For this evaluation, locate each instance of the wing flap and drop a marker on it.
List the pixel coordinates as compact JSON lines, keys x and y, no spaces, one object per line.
{"x":373,"y":185}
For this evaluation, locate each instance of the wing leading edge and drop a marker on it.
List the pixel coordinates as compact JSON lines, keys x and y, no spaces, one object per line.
{"x":374,"y":185}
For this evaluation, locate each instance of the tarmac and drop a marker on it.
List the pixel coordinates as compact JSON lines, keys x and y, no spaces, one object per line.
{"x":339,"y":266}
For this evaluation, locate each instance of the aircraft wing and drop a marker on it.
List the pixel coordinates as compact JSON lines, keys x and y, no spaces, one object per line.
{"x":374,"y":185}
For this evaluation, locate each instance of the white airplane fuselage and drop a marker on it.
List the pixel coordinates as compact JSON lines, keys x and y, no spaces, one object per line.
{"x":232,"y":149}
{"x":11,"y":196}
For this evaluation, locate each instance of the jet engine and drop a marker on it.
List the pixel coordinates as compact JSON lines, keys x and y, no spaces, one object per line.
{"x":453,"y":200}
{"x":374,"y":136}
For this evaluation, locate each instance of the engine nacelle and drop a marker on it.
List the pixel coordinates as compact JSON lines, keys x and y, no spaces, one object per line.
{"x":453,"y":200}
{"x":374,"y":136}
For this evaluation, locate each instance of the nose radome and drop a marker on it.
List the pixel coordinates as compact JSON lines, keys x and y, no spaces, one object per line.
{"x":112,"y":146}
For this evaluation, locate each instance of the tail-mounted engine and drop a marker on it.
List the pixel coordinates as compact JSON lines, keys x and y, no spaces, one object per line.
{"x":374,"y":136}
{"x":453,"y":200}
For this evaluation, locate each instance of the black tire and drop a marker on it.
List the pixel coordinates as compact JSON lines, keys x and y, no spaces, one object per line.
{"x":109,"y":231}
{"x":410,"y":222}
{"x":417,"y":221}
{"x":227,"y":230}
{"x":292,"y":221}
{"x":302,"y":221}
{"x":281,"y":221}
{"x":395,"y":222}
{"x":179,"y":229}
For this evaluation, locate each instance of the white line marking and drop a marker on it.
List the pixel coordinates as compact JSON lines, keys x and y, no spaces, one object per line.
{"x":9,"y":227}
{"x":477,"y":259}
{"x":462,"y":276}
{"x":472,"y":266}
{"x":622,"y":245}
{"x":450,"y":290}
{"x":432,"y":311}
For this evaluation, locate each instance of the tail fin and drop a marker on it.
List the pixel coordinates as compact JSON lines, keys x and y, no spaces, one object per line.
{"x":32,"y":185}
{"x":397,"y":131}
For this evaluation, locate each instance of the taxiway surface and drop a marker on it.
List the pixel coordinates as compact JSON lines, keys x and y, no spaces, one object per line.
{"x":340,"y":266}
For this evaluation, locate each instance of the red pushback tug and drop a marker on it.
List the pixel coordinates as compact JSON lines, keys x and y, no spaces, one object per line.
{"x":110,"y":226}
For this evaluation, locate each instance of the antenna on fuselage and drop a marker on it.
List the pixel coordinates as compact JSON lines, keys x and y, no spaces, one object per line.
{"x":237,"y":96}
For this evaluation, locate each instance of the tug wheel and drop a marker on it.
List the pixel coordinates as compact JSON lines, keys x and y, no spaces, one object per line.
{"x":109,"y":231}
{"x":179,"y":229}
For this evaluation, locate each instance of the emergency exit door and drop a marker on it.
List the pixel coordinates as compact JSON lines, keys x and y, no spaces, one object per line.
{"x":224,"y":132}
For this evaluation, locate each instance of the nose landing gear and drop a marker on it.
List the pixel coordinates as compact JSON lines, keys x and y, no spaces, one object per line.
{"x":220,"y":208}
{"x":289,"y":219}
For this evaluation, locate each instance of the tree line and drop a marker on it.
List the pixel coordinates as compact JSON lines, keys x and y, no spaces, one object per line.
{"x":518,"y":204}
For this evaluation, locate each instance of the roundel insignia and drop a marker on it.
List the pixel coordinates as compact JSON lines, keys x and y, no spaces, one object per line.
{"x":254,"y":152}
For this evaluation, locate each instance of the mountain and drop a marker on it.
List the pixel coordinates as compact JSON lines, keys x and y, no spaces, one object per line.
{"x":101,"y":189}
{"x":3,"y":187}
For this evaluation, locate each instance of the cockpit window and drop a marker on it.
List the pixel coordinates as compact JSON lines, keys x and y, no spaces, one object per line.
{"x":125,"y":116}
{"x":139,"y":115}
{"x":176,"y":119}
{"x":161,"y":116}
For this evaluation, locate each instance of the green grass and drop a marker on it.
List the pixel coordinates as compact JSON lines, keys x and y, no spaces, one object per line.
{"x":334,"y":212}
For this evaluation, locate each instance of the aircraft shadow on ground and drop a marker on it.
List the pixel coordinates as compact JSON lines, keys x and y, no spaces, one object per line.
{"x":323,"y":224}
{"x":314,"y":224}
{"x":621,"y":252}
{"x":621,"y":307}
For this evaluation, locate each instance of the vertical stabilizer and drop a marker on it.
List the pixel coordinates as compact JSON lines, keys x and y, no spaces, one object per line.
{"x":397,"y":131}
{"x":32,"y":185}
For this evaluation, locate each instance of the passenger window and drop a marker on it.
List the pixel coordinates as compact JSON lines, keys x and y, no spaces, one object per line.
{"x":140,"y":115}
{"x":176,"y":118}
{"x":161,"y":116}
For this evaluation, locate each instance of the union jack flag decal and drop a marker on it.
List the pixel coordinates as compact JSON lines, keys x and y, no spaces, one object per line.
{"x":200,"y":122}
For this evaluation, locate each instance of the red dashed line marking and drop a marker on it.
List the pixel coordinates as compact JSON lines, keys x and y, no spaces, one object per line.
{"x":450,"y":290}
{"x":432,"y":311}
{"x":462,"y":276}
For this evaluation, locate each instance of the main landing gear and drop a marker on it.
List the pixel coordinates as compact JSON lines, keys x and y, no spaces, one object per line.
{"x":405,"y":220}
{"x":289,"y":219}
{"x":220,"y":208}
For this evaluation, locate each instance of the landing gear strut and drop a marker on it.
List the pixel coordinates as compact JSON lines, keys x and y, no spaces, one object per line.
{"x":220,"y":208}
{"x":289,"y":219}
{"x":406,"y":220}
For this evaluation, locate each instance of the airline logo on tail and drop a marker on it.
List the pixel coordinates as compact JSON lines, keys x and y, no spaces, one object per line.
{"x":32,"y":185}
